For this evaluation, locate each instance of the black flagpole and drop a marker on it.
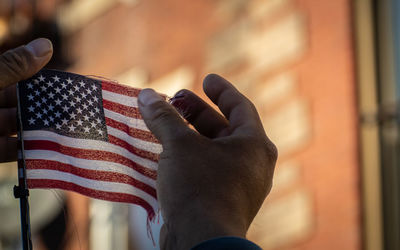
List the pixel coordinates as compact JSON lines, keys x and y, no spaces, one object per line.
{"x":21,"y":191}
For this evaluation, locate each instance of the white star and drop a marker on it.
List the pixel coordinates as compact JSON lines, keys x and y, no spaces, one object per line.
{"x":71,"y":92}
{"x":37,"y":92}
{"x":38,"y":104}
{"x":63,"y":85}
{"x":69,"y":81}
{"x":72,"y":103}
{"x":72,"y":116}
{"x":56,"y":78}
{"x":64,"y":121}
{"x":57,"y":89}
{"x":86,"y":117}
{"x":82,"y":83}
{"x":65,"y":108}
{"x":31,"y":121}
{"x":76,"y":88}
{"x":100,"y":131}
{"x":51,"y":118}
{"x":72,"y":128}
{"x":84,"y":106}
{"x":44,"y":111}
{"x":80,"y":122}
{"x":51,"y":95}
{"x":98,"y":120}
{"x":41,"y":78}
{"x":31,"y":108}
{"x":46,"y":122}
{"x":78,"y":99}
{"x":93,"y":124}
{"x":30,"y":97}
{"x":97,"y":109}
{"x":94,"y":87}
{"x":90,"y":102}
{"x":44,"y":100}
{"x":79,"y":110}
{"x":58,"y":126}
{"x":87,"y":129}
{"x":58,"y":101}
{"x":49,"y":84}
{"x":43,"y":88}
{"x":39,"y":115}
{"x":57,"y":114}
{"x":95,"y":98}
{"x":65,"y":96}
{"x":89,"y":91}
{"x":51,"y":107}
{"x":83,"y":95}
{"x":30,"y":86}
{"x":91,"y":113}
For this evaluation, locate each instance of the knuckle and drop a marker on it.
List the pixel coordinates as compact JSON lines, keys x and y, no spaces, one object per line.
{"x":270,"y":150}
{"x":273,"y":151}
{"x":16,"y":62}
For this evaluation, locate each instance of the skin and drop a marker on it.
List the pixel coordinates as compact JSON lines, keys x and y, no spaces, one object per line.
{"x":211,"y":180}
{"x":16,"y":65}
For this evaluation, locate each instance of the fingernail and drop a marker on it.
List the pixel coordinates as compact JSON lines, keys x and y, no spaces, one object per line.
{"x":39,"y":47}
{"x":149,"y":96}
{"x":178,"y":101}
{"x":179,"y":94}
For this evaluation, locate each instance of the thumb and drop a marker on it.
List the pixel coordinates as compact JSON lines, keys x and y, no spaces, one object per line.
{"x":160,"y":117}
{"x":23,"y":62}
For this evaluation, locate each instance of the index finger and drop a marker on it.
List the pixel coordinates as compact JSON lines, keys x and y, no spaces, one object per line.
{"x":240,"y":111}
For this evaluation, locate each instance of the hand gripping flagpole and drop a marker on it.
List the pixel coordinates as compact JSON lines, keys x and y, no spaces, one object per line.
{"x":21,"y":191}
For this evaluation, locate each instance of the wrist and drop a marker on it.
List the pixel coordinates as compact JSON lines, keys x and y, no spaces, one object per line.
{"x":184,"y":232}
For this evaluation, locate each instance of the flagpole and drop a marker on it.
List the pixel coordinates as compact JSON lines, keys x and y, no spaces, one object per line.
{"x":21,"y":191}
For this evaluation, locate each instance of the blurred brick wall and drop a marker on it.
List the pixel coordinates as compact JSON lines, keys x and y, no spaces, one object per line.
{"x":293,"y":58}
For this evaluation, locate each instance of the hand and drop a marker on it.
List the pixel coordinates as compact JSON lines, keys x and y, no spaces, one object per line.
{"x":16,"y":65}
{"x":211,"y":182}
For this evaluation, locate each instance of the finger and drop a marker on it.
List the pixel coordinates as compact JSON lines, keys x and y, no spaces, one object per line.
{"x":240,"y":111}
{"x":8,"y":97}
{"x":9,"y":127}
{"x":8,"y":149}
{"x":24,"y":61}
{"x":160,"y":117}
{"x":206,"y":120}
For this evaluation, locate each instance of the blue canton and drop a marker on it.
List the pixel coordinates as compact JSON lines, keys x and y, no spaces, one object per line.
{"x":65,"y":103}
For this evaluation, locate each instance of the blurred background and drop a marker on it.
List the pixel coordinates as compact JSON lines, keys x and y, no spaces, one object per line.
{"x":325,"y":76}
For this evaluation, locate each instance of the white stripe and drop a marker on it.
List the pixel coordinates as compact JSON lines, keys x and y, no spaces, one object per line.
{"x":88,"y":164}
{"x":145,"y":145}
{"x":131,"y":122}
{"x":118,"y":98}
{"x":87,"y":144}
{"x":91,"y":184}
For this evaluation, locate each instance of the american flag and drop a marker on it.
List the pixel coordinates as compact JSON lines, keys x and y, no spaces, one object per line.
{"x":87,"y":135}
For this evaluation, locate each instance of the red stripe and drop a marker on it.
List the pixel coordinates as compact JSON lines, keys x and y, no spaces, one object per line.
{"x":139,"y":152}
{"x":123,"y":89}
{"x":91,"y":174}
{"x":133,"y":132}
{"x":103,"y":195}
{"x":88,"y":154}
{"x":120,"y":89}
{"x":122,"y":109}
